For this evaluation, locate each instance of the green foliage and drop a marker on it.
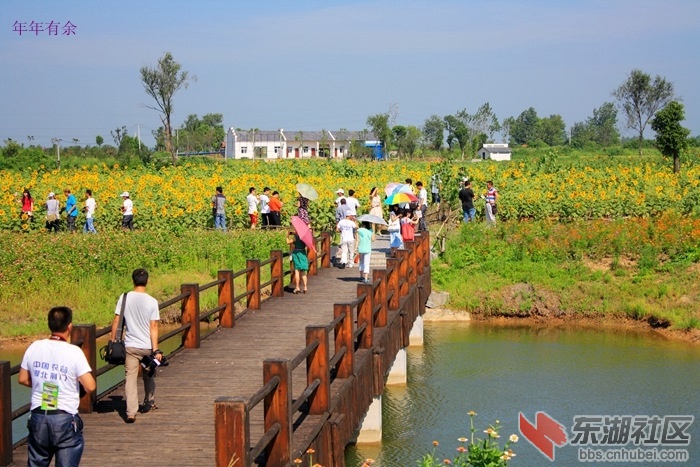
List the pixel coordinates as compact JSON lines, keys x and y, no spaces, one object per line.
{"x":671,"y":137}
{"x":641,"y":97}
{"x":473,"y":451}
{"x":434,"y":132}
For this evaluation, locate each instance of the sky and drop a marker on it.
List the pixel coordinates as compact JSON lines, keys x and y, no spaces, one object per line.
{"x":312,"y":64}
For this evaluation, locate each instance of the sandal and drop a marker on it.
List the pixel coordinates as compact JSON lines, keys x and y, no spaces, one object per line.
{"x":304,"y":290}
{"x":296,"y":291}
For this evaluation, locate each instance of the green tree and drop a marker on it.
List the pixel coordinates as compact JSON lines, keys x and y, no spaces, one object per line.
{"x":552,"y":130}
{"x":434,"y":132}
{"x":202,"y":135}
{"x":118,"y":134}
{"x":379,"y":125}
{"x":523,"y":129}
{"x":161,"y":83}
{"x":641,"y":97}
{"x":671,"y":137}
{"x":99,"y":140}
{"x":457,"y":130}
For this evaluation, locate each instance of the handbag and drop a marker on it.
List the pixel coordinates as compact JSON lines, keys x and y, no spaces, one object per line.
{"x":115,"y":351}
{"x":52,"y":217}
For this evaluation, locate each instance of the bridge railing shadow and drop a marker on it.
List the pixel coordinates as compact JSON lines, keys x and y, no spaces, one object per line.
{"x":229,"y":308}
{"x":366,"y":335}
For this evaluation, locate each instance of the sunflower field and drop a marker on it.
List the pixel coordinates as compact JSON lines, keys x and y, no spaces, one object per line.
{"x":179,"y":198}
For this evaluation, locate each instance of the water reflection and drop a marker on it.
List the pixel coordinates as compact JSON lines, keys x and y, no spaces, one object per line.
{"x":499,"y":371}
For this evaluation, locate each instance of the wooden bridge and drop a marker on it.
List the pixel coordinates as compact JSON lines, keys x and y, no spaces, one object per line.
{"x":283,"y":377}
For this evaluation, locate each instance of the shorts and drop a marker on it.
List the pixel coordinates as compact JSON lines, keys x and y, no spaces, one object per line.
{"x":253,"y":218}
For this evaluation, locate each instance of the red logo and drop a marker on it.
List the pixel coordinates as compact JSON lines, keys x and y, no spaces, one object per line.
{"x":544,"y":434}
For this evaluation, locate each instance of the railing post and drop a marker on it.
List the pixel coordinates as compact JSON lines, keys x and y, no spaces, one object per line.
{"x":392,"y":282}
{"x":326,"y":249}
{"x":83,"y":335}
{"x":403,"y":256}
{"x":253,"y":283}
{"x":313,"y":263}
{"x":277,"y":272}
{"x":227,"y":316}
{"x":380,"y":296}
{"x":5,"y":414}
{"x":412,"y":270}
{"x":419,"y":254}
{"x":317,"y":368}
{"x":231,"y":432}
{"x":344,"y":338}
{"x":364,"y":315}
{"x":190,"y":314}
{"x":278,"y":409}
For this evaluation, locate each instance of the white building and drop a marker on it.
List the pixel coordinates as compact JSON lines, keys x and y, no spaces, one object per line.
{"x":282,"y":144}
{"x":495,"y":152}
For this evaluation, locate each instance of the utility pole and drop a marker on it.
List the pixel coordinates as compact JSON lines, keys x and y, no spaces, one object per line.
{"x":57,"y":143}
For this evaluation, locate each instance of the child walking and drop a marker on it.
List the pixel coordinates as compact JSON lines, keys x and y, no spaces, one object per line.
{"x":365,"y":237}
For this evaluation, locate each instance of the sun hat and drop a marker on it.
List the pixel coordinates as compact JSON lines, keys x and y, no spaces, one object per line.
{"x":341,"y":191}
{"x":125,"y":194}
{"x":52,"y":194}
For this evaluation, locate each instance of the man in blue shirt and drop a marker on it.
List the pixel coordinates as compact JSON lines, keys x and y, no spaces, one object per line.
{"x":71,"y":210}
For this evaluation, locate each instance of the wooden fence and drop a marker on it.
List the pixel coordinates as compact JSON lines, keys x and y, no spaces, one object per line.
{"x":191,"y":317}
{"x":347,"y":360}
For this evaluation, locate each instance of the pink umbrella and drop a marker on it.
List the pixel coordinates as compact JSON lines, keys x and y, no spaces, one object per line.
{"x":389,"y":188}
{"x":304,"y":232}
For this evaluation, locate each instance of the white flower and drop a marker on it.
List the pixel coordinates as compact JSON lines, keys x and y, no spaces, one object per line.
{"x":513,"y":438}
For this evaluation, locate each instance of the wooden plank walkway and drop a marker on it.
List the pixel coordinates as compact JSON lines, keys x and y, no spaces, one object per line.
{"x":228,"y":363}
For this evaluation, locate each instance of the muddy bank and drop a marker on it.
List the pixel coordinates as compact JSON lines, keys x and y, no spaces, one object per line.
{"x":597,"y":322}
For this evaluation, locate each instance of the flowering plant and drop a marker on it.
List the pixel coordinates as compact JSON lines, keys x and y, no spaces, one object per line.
{"x":475,"y":452}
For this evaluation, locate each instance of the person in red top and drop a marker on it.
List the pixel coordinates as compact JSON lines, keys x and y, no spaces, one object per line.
{"x":275,"y":209}
{"x":27,"y":203}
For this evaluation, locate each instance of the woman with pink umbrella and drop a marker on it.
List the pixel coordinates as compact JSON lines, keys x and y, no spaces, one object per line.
{"x":299,"y":259}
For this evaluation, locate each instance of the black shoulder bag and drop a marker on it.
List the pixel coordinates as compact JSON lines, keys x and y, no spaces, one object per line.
{"x":115,"y":351}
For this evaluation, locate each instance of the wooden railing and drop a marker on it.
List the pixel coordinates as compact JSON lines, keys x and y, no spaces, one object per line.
{"x":367,"y":334}
{"x":191,"y":317}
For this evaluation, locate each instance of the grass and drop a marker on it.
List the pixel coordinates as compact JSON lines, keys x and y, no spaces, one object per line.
{"x":87,"y":273}
{"x":534,"y":269}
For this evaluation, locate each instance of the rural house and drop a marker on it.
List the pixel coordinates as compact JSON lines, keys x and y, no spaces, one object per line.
{"x":495,"y":152}
{"x":282,"y":144}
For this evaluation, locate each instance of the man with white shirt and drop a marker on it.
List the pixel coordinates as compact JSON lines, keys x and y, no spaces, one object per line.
{"x":90,"y":205}
{"x":265,"y":207}
{"x":352,"y":202}
{"x":422,"y":206}
{"x":347,"y":228}
{"x":341,"y":195}
{"x":127,"y":212}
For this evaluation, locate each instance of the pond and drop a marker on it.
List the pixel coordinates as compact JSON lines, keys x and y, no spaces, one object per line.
{"x":500,"y":371}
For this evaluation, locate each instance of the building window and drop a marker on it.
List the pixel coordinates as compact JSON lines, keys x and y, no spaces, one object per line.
{"x":278,"y":149}
{"x":289,"y":150}
{"x":306,"y":149}
{"x":244,"y":149}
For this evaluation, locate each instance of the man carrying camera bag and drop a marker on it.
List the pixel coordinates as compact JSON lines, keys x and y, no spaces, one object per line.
{"x":141,"y":316}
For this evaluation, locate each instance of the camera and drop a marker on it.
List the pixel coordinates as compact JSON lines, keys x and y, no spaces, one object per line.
{"x":149,"y":363}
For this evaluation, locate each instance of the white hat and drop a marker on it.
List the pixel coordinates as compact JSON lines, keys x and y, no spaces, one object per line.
{"x":350,"y":212}
{"x":125,"y":194}
{"x":341,"y":191}
{"x":52,"y":194}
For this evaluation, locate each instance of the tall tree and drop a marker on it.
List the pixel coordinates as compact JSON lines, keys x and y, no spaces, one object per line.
{"x":457,"y":130}
{"x":379,"y":124}
{"x":161,"y":83}
{"x":506,"y":128}
{"x":524,"y":128}
{"x":434,"y":132}
{"x":484,"y":122}
{"x":671,"y":137}
{"x":641,"y":97}
{"x":118,"y":134}
{"x":552,"y":130}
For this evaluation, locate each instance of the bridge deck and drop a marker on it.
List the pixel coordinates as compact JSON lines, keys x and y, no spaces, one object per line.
{"x":228,"y":363}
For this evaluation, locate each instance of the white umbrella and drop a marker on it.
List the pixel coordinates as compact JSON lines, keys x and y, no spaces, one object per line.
{"x":372,"y":219}
{"x":307,"y":191}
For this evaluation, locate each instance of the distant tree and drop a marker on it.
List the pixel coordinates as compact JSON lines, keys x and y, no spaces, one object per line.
{"x":524,"y":129}
{"x":640,"y":98}
{"x":434,"y":132}
{"x":457,"y":130}
{"x":202,"y":135}
{"x":671,"y":137}
{"x":118,"y":134}
{"x":398,"y":135}
{"x":161,"y":83}
{"x":412,"y":140}
{"x":99,"y":140}
{"x":506,"y":128}
{"x":484,"y":122}
{"x":379,"y":125}
{"x":552,"y":130}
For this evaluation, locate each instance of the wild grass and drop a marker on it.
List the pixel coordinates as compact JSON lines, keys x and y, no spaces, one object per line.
{"x":88,"y":272}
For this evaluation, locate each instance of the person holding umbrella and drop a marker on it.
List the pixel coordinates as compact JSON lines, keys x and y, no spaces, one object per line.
{"x":306,"y":193}
{"x":299,"y":259}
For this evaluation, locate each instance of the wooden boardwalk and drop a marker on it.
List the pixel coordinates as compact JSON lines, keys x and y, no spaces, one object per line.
{"x":230,"y":362}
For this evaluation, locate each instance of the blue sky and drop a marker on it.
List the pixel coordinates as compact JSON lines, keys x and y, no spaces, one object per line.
{"x":310,"y":65}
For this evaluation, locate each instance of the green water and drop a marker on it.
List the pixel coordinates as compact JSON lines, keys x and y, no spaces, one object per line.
{"x":501,"y":371}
